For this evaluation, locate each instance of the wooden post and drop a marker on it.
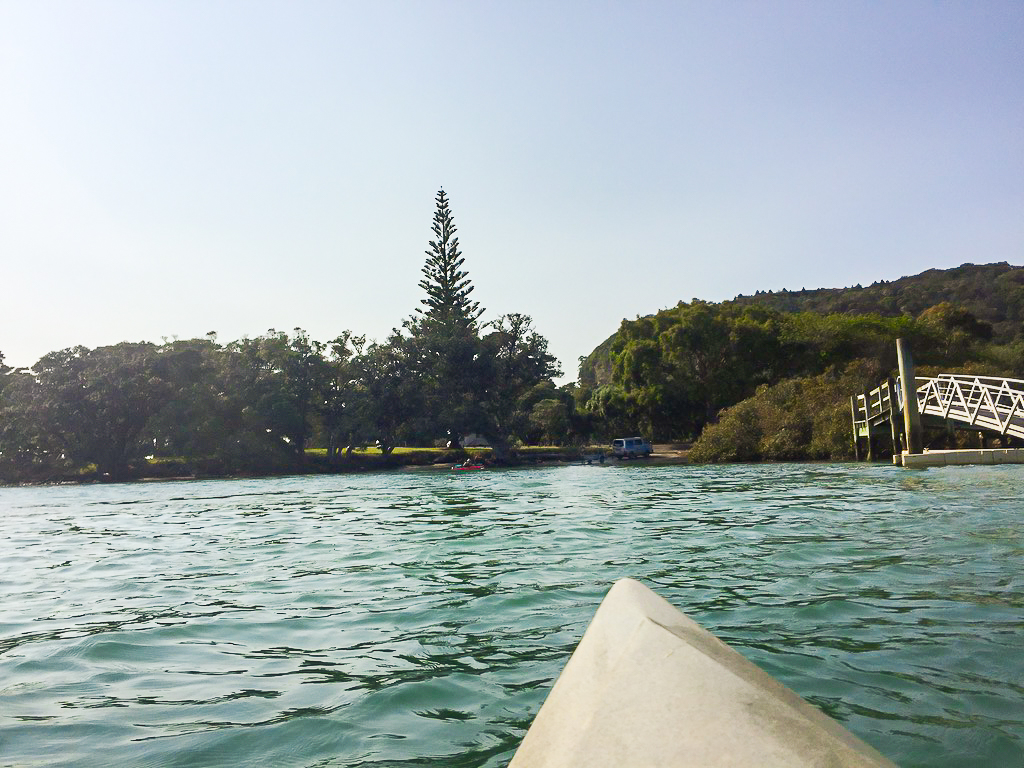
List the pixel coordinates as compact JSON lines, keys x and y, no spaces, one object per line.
{"x":894,"y":429}
{"x":867,"y":425}
{"x":853,"y":410}
{"x":908,"y":387}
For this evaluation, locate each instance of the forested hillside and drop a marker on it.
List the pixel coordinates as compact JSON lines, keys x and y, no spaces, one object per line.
{"x":993,"y":293}
{"x":769,"y":376}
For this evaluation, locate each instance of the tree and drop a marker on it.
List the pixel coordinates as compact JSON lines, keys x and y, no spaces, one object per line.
{"x":96,"y":404}
{"x":5,"y":371}
{"x":392,"y":395}
{"x":193,"y":422}
{"x":550,"y":417}
{"x":660,"y":398}
{"x":276,"y":383}
{"x":795,"y":419}
{"x":516,"y":361}
{"x":468,"y":384}
{"x":447,"y":285}
{"x":953,"y":330}
{"x":677,"y":369}
{"x":444,"y":350}
{"x":342,"y":407}
{"x":608,"y":410}
{"x":304,"y":372}
{"x":26,"y":452}
{"x":725,"y":353}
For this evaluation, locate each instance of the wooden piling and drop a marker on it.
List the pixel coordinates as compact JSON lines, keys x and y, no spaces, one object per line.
{"x":894,"y":427}
{"x":853,"y":411}
{"x":867,"y":425}
{"x":908,"y":387}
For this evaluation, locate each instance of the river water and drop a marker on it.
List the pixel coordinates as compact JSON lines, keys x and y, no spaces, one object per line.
{"x":419,"y":618}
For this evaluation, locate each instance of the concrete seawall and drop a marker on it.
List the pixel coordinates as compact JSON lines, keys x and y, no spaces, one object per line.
{"x":649,"y":687}
{"x":960,"y":457}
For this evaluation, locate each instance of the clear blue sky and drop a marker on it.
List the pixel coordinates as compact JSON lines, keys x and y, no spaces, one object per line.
{"x":173,"y":168}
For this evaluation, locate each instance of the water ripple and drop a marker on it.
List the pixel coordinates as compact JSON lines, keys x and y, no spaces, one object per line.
{"x":415,"y":619}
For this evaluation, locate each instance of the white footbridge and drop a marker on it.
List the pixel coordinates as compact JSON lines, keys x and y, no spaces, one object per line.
{"x":984,"y":403}
{"x":979,"y":403}
{"x":990,"y":405}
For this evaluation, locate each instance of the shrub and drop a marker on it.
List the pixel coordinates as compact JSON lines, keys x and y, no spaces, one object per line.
{"x":794,"y":420}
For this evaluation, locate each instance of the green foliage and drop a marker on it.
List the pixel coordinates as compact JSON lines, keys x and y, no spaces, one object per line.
{"x":953,"y":334}
{"x":443,"y":351}
{"x":992,"y":293}
{"x":342,"y":407}
{"x":759,"y":378}
{"x":391,"y":402}
{"x":609,"y":412}
{"x":733,"y":438}
{"x":446,"y":284}
{"x":94,"y":405}
{"x":246,"y":407}
{"x":550,"y":418}
{"x":194,"y":420}
{"x":259,"y":404}
{"x":673,"y":372}
{"x":27,"y":451}
{"x":949,"y":316}
{"x":801,"y":418}
{"x":274,"y":385}
{"x":1004,"y":359}
{"x":465,"y":383}
{"x":516,"y":374}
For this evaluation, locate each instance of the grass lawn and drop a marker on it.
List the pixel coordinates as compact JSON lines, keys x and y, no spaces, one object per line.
{"x":374,"y":451}
{"x":522,"y":450}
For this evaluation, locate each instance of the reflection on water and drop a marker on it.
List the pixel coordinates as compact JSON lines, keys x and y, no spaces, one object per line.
{"x":420,"y":618}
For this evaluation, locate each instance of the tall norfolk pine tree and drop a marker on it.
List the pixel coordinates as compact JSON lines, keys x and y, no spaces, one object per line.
{"x":446,"y":283}
{"x":467,"y":383}
{"x":445,"y":341}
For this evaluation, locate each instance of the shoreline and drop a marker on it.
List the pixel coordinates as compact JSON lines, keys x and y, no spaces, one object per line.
{"x":667,"y":454}
{"x":664,"y":456}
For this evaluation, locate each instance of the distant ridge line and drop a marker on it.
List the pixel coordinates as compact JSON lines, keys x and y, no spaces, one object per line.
{"x":993,"y":293}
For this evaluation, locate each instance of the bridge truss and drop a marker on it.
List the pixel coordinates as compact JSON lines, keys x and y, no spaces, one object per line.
{"x":984,"y":403}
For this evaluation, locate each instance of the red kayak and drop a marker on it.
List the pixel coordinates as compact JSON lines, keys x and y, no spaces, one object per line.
{"x":471,"y":466}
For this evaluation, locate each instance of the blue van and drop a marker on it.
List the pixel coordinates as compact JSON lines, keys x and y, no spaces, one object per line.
{"x":631,"y":447}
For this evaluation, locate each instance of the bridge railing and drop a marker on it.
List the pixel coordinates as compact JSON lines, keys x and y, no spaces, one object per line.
{"x":985,"y":402}
{"x":874,"y":404}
